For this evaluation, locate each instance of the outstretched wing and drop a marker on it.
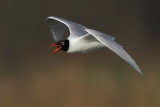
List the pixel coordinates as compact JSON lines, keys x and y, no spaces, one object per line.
{"x":57,"y":27}
{"x":109,"y":42}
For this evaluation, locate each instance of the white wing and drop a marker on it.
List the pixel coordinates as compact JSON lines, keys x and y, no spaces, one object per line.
{"x":57,"y":27}
{"x":109,"y":42}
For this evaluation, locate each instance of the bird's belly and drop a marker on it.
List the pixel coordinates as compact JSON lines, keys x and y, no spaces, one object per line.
{"x":84,"y":46}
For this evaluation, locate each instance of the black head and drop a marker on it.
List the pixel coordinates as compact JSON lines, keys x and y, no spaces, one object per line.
{"x":64,"y":44}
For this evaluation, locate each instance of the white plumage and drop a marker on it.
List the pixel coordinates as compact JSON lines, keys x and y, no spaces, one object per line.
{"x":82,"y":39}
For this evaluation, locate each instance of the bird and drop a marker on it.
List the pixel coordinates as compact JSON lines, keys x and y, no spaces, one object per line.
{"x":83,"y":39}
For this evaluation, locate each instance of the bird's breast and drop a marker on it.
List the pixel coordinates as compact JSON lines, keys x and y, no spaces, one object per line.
{"x":84,"y":46}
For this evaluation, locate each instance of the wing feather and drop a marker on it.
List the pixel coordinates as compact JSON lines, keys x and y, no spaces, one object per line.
{"x":57,"y":27}
{"x":109,"y":42}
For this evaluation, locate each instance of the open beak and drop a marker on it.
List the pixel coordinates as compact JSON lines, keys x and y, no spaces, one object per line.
{"x":57,"y":49}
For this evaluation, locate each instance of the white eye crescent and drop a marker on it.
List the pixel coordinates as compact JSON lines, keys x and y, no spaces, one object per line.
{"x":62,"y":43}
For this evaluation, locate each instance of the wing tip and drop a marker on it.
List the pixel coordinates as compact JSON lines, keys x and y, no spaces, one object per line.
{"x":139,"y":70}
{"x":48,"y":18}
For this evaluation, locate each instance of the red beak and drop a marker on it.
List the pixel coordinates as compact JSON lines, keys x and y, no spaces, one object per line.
{"x":57,"y":49}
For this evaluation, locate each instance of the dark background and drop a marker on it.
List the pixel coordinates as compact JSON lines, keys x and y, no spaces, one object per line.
{"x":30,"y":76}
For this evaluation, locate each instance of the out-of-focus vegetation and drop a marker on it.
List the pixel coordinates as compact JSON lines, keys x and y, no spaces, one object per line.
{"x":30,"y":76}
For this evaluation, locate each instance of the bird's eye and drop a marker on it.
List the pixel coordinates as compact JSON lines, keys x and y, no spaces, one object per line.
{"x":62,"y":43}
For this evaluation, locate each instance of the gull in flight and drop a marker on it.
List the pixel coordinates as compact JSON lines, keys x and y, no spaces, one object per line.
{"x":83,"y":40}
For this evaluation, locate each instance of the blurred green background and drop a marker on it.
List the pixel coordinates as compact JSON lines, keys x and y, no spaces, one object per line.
{"x":30,"y":76}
